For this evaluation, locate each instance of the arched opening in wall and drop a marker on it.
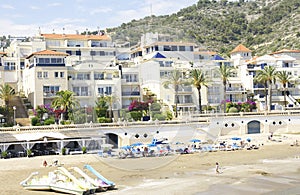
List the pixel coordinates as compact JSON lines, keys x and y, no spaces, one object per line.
{"x":253,"y":127}
{"x":112,"y":139}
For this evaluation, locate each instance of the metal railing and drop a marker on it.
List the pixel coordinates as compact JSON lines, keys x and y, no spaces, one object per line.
{"x":186,"y":117}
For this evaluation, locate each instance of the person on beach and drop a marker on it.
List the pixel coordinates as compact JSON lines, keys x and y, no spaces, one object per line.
{"x":45,"y":163}
{"x":217,"y":168}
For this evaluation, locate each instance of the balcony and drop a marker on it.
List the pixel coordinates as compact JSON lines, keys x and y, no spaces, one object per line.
{"x":185,"y":89}
{"x":49,"y":94}
{"x":130,"y":93}
{"x":83,"y":93}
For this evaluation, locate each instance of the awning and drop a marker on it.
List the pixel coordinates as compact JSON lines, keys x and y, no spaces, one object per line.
{"x":39,"y":136}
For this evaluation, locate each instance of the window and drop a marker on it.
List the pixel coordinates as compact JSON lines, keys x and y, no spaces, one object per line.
{"x":62,"y":74}
{"x":55,"y":74}
{"x":130,"y":77}
{"x":45,"y":74}
{"x":105,"y":90}
{"x":41,"y":60}
{"x":92,"y":53}
{"x":181,"y":48}
{"x":69,"y":52}
{"x":50,"y":90}
{"x":39,"y":75}
{"x":167,"y":48}
{"x":99,"y":76}
{"x":53,"y":61}
{"x":83,"y":76}
{"x":78,"y":53}
{"x":174,"y":48}
{"x":9,"y":65}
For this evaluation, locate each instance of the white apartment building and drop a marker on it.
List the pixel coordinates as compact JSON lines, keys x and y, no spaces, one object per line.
{"x":93,"y":65}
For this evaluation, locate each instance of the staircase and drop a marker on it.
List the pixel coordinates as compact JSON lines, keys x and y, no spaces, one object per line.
{"x":21,"y":111}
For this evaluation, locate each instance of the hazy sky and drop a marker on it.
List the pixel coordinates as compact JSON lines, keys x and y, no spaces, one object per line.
{"x":24,"y":17}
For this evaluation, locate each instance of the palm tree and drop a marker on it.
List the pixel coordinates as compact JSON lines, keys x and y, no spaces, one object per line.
{"x":199,"y":80}
{"x":175,"y":79}
{"x":262,"y":81}
{"x":111,"y":99}
{"x":6,"y":93}
{"x":268,"y":75}
{"x":65,"y":101}
{"x":284,"y":79}
{"x":225,"y":72}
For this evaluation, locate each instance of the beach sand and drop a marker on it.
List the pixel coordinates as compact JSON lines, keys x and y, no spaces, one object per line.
{"x":272,"y":169}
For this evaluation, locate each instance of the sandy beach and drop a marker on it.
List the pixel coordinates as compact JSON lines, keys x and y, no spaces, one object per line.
{"x":272,"y":169}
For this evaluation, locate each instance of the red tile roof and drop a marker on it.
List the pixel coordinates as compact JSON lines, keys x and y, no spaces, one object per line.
{"x":171,"y":43}
{"x":76,"y":37}
{"x":47,"y":52}
{"x":240,"y":48}
{"x":286,"y":51}
{"x":205,"y":52}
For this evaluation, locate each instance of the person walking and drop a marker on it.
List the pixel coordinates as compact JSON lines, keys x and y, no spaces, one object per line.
{"x":217,"y":168}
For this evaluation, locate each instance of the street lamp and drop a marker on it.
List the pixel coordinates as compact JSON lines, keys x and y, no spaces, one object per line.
{"x":14,"y":108}
{"x":149,"y":111}
{"x":85,"y":107}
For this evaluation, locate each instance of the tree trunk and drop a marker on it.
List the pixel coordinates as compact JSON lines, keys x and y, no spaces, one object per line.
{"x":284,"y":96}
{"x":224,"y":103}
{"x":200,"y":104}
{"x":266,"y":97}
{"x":270,"y":95}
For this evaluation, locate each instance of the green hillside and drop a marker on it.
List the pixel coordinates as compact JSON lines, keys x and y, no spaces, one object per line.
{"x":262,"y":25}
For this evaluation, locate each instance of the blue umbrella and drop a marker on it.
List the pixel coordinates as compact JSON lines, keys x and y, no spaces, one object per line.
{"x":136,"y":144}
{"x":248,"y":139}
{"x":195,"y":140}
{"x":125,"y":147}
{"x":236,"y":138}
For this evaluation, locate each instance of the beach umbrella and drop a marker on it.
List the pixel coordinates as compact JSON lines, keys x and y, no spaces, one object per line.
{"x":136,"y":144}
{"x":195,"y":140}
{"x":236,"y":138}
{"x":126,"y":147}
{"x":248,"y":139}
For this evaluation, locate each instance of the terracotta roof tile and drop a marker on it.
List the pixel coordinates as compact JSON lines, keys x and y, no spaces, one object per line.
{"x":240,"y":48}
{"x":171,"y":43}
{"x":286,"y":51}
{"x":76,"y":37}
{"x":48,"y":52}
{"x":205,"y":52}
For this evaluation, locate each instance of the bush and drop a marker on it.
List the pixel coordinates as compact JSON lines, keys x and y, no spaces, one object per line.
{"x":4,"y":154}
{"x":29,"y":152}
{"x":84,"y":149}
{"x":63,"y":151}
{"x":159,"y":117}
{"x":49,"y":121}
{"x":169,"y":115}
{"x":104,"y":120}
{"x":35,"y":121}
{"x":136,"y":115}
{"x":233,"y":110}
{"x":65,"y":122}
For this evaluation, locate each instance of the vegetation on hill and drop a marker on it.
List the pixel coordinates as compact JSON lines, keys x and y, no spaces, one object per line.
{"x":262,"y":25}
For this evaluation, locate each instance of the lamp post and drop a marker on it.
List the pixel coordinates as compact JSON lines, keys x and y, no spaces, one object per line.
{"x":149,"y":104}
{"x":14,"y":108}
{"x":85,"y":111}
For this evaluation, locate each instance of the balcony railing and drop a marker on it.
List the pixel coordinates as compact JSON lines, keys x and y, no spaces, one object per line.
{"x":131,"y":93}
